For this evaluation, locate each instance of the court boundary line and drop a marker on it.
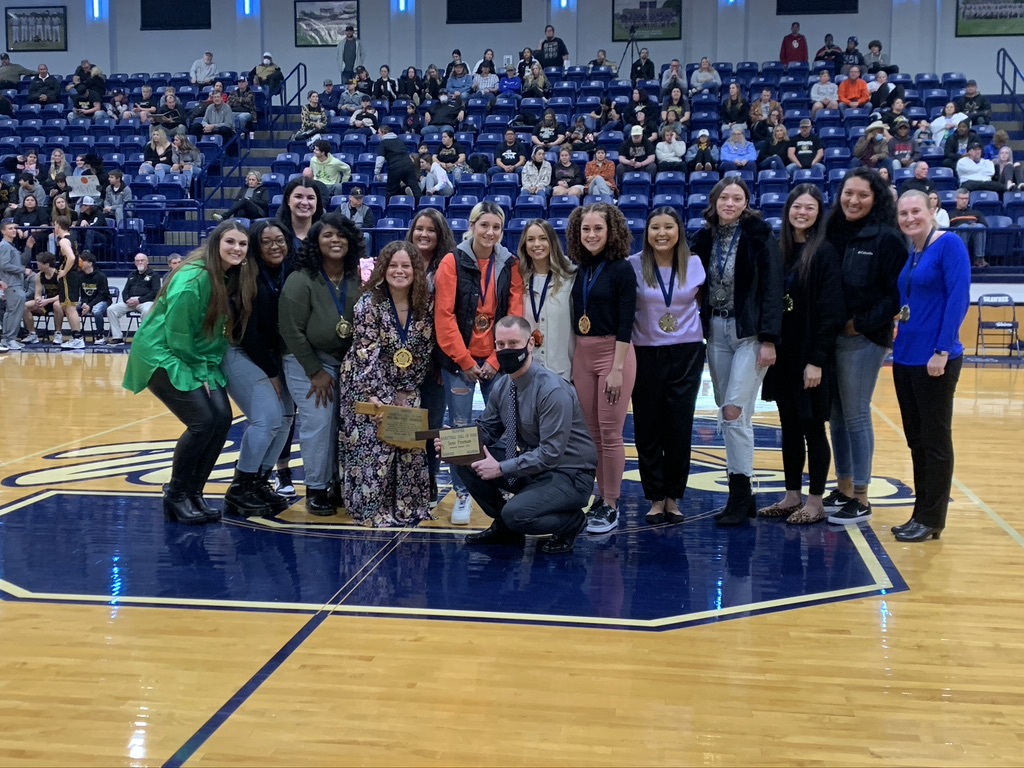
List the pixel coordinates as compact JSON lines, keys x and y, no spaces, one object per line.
{"x":996,"y":518}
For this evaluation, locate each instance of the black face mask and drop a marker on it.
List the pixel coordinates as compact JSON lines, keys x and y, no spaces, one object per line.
{"x":511,"y":360}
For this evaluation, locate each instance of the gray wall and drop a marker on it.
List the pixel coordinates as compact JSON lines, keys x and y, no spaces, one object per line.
{"x":742,"y":29}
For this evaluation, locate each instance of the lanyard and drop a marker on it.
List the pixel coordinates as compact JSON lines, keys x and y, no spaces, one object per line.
{"x":915,"y":259}
{"x":274,"y":285}
{"x":667,"y":294}
{"x":403,"y":330}
{"x":722,"y":258}
{"x":543,"y":295}
{"x":589,"y":279}
{"x":487,"y":282}
{"x":339,"y":301}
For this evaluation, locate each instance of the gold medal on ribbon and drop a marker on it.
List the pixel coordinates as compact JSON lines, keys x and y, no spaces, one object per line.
{"x":584,"y":325}
{"x":403,"y":358}
{"x":905,"y":313}
{"x":668,"y":323}
{"x":343,"y":329}
{"x":482,"y":323}
{"x":787,"y":303}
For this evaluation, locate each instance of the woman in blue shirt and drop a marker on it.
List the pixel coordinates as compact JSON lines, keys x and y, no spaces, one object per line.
{"x":927,"y":357}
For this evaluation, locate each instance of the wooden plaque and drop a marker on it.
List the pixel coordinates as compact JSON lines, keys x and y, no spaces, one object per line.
{"x":400,"y":425}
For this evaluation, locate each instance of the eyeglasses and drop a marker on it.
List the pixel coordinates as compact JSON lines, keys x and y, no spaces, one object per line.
{"x":278,"y":243}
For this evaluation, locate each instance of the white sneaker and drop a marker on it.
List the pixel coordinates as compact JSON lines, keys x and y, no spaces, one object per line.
{"x":462,"y":509}
{"x":4,"y":347}
{"x":14,"y":345}
{"x":99,"y":341}
{"x":58,"y":338}
{"x":74,"y":344}
{"x":30,"y":339}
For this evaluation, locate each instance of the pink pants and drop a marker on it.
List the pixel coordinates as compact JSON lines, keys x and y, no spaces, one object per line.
{"x":590,"y":367}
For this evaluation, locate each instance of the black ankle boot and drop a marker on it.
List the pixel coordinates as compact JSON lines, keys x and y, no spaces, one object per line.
{"x":318,"y":502}
{"x":178,"y":508}
{"x":275,"y":501}
{"x":242,"y":498}
{"x":741,"y":505}
{"x":196,"y":497}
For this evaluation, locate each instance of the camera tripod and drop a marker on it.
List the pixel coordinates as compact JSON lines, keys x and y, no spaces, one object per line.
{"x":632,"y":50}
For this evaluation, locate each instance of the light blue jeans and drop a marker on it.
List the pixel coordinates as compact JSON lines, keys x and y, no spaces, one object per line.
{"x":736,"y":378}
{"x":600,"y":187}
{"x":318,"y":427}
{"x":160,"y":170}
{"x":858,"y":361}
{"x":458,"y":393}
{"x":270,"y":416}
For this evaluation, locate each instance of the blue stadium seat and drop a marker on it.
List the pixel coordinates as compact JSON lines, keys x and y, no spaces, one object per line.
{"x":513,"y":232}
{"x":942,"y":178}
{"x":676,"y":202}
{"x":560,"y":206}
{"x":670,"y":183}
{"x":696,"y":202}
{"x":502,"y":201}
{"x":1013,"y":204}
{"x":461,"y":205}
{"x":987,"y":203}
{"x":636,"y":183}
{"x":702,"y":182}
{"x":772,"y":204}
{"x":772,"y":181}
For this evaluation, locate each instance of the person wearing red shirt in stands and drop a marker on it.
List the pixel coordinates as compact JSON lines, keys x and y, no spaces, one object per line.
{"x":794,"y":47}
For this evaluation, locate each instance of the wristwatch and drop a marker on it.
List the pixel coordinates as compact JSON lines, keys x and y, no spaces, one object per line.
{"x":941,"y":352}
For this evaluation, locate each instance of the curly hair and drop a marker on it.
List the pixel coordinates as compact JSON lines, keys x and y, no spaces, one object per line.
{"x":445,"y":238}
{"x":377,"y":286}
{"x":619,"y":243}
{"x":883,"y":206}
{"x":311,"y":261}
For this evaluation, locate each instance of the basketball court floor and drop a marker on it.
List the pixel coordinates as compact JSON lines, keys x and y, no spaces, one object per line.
{"x":126,"y":640}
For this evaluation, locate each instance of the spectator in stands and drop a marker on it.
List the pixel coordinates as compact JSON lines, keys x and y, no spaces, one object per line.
{"x":807,"y":151}
{"x":366,"y":120}
{"x":877,"y":61}
{"x":94,"y":167}
{"x":354,"y":210}
{"x":219,"y":120}
{"x":116,"y":196}
{"x":885,"y":92}
{"x":327,"y":170}
{"x":118,"y":107}
{"x":897,"y":113}
{"x":972,"y":225}
{"x":11,"y":74}
{"x":266,"y":74}
{"x":974,"y":105}
{"x":13,"y":270}
{"x":186,"y":159}
{"x":763,"y":130}
{"x":549,"y":133}
{"x":580,"y":138}
{"x":384,"y":87}
{"x":945,"y":124}
{"x":203,"y":71}
{"x":643,"y":68}
{"x":452,"y":156}
{"x":600,"y":175}
{"x":349,"y":102}
{"x":702,"y":154}
{"x":411,"y":121}
{"x":173,"y":262}
{"x":1008,"y":173}
{"x":485,"y":82}
{"x":349,"y":54}
{"x":872,"y":150}
{"x":853,"y":91}
{"x":138,"y":295}
{"x":59,"y":190}
{"x":830,"y":53}
{"x":794,"y":48}
{"x":489,"y":57}
{"x":91,"y":77}
{"x":939,"y":215}
{"x":824,"y":94}
{"x":537,"y":173}
{"x":363,"y":82}
{"x":774,"y":152}
{"x":640,"y":104}
{"x":434,"y":179}
{"x":460,"y":84}
{"x":958,"y":143}
{"x":450,"y":67}
{"x":762,"y":108}
{"x":44,"y":88}
{"x":902,"y":148}
{"x":566,"y":176}
{"x":29,"y":217}
{"x":536,"y":84}
{"x":445,"y":115}
{"x":526,"y":62}
{"x":28,"y":186}
{"x":737,"y":153}
{"x":511,"y":85}
{"x":403,"y":177}
{"x":303,"y":206}
{"x":410,"y":86}
{"x":605,"y":117}
{"x":976,"y":173}
{"x":86,"y":104}
{"x":242,"y":103}
{"x":672,"y":78}
{"x":433,"y":83}
{"x":329,"y":97}
{"x":157,"y":154}
{"x":636,"y":155}
{"x":886,"y":175}
{"x":670,"y":152}
{"x":253,"y":203}
{"x":735,"y":110}
{"x":852,"y":57}
{"x":552,"y":50}
{"x":601,"y":60}
{"x":672,"y":122}
{"x":1000,"y":139}
{"x":919,"y":180}
{"x":94,"y":296}
{"x":510,"y":156}
{"x":705,"y":78}
{"x":46,"y":300}
{"x":170,"y":116}
{"x":92,"y":225}
{"x":145,"y":108}
{"x":676,"y":102}
{"x":313,"y":119}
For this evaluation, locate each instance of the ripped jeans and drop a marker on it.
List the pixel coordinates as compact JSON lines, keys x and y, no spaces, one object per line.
{"x":458,"y":394}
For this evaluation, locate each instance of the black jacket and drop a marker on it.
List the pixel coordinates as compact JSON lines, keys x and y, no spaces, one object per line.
{"x":759,"y":282}
{"x":952,"y":146}
{"x":872,"y":262}
{"x":261,"y":340}
{"x":50,"y":87}
{"x":144,"y":286}
{"x":642,"y":70}
{"x":809,"y":331}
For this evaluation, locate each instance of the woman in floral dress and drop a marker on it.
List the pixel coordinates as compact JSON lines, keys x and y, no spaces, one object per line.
{"x":394,"y":340}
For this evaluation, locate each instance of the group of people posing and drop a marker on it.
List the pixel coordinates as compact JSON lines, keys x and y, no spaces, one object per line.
{"x":278,"y":318}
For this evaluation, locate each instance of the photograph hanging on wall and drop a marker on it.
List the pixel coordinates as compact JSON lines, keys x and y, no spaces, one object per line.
{"x":985,"y":18}
{"x":39,"y":28}
{"x":650,"y":20}
{"x":321,"y":23}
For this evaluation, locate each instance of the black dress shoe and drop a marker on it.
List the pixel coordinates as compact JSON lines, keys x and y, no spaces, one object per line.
{"x":210,"y":513}
{"x":915,"y":532}
{"x":898,"y":528}
{"x":180,"y":509}
{"x":496,"y":534}
{"x":562,"y":543}
{"x":318,"y":502}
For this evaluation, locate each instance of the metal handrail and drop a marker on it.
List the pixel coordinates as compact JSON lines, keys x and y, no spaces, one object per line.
{"x":301,"y":78}
{"x":231,"y":173}
{"x":1005,"y":62}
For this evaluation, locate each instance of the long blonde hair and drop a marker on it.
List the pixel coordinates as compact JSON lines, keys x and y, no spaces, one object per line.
{"x":561,"y":268}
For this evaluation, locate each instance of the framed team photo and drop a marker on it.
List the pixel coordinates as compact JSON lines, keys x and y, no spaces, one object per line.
{"x":321,"y":23}
{"x":989,"y":18}
{"x":38,"y":28}
{"x":646,"y":20}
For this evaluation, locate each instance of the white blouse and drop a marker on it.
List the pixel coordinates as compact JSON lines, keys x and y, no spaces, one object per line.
{"x":554,"y":322}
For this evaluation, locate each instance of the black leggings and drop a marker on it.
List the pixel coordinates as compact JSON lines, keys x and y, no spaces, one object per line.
{"x":247,"y":208}
{"x":207,"y":418}
{"x":796,"y":433}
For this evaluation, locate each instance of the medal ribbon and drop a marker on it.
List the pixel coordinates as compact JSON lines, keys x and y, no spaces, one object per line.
{"x":589,"y":279}
{"x":915,"y":258}
{"x":667,"y":294}
{"x":403,"y":331}
{"x":720,"y":257}
{"x":543,"y":295}
{"x":487,"y":282}
{"x":339,"y":301}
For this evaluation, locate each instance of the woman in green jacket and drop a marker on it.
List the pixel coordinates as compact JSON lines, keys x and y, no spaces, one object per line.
{"x":177,"y":355}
